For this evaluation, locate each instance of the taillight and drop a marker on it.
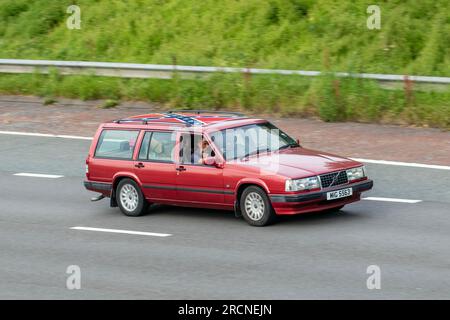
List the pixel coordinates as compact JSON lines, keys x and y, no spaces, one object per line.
{"x":87,"y":167}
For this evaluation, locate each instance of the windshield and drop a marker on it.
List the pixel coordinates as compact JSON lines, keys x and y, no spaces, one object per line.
{"x":241,"y":142}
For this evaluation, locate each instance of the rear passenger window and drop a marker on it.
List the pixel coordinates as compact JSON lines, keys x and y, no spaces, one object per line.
{"x":116,"y":144}
{"x":157,"y":146}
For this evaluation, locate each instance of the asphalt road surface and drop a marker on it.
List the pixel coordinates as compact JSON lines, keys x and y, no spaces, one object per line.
{"x":210,"y":254}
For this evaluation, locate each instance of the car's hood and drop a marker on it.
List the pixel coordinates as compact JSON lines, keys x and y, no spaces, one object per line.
{"x":299,"y":162}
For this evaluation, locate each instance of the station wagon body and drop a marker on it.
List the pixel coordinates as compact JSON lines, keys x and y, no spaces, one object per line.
{"x":218,"y":161}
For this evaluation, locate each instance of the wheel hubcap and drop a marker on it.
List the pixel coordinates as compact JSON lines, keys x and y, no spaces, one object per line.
{"x":129,"y":197}
{"x":254,"y":206}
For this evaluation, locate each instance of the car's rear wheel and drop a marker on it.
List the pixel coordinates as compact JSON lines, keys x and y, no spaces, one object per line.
{"x":130,"y":199}
{"x":256,"y":207}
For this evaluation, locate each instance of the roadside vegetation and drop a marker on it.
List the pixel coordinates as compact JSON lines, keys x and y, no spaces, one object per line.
{"x":321,"y":35}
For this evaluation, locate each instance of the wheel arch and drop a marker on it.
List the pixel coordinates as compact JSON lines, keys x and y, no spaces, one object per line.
{"x":270,"y":213}
{"x":244,"y":183}
{"x":115,"y":182}
{"x":124,"y":175}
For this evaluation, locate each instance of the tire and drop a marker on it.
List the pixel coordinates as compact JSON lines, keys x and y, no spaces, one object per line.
{"x":256,"y":207}
{"x":130,"y":199}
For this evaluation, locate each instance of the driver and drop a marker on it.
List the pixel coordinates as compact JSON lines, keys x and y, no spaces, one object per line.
{"x":202,"y":151}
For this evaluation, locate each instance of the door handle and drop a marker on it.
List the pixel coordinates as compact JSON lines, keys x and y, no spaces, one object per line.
{"x":181,"y":168}
{"x":139,"y":165}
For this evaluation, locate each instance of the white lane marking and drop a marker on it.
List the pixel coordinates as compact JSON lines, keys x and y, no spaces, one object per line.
{"x":46,"y":135}
{"x":153,"y":234}
{"x":404,"y":164}
{"x":392,"y":200}
{"x":38,"y":175}
{"x":385,"y":162}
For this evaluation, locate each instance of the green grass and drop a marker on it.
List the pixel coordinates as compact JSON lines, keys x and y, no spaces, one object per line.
{"x":331,"y":99}
{"x":322,"y":35}
{"x":109,"y":103}
{"x":48,"y":101}
{"x":295,"y":34}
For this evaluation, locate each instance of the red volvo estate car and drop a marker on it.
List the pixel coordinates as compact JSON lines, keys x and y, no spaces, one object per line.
{"x":217,"y":160}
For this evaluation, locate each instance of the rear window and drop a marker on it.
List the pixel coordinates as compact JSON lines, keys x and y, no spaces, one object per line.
{"x":116,"y":144}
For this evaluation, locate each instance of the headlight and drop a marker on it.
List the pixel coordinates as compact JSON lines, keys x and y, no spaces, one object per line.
{"x":302,"y":184}
{"x":356,"y":173}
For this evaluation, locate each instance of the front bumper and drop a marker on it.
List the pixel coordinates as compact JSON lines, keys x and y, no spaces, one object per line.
{"x":317,"y":201}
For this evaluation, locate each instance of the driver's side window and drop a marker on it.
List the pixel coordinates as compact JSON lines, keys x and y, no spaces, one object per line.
{"x":194,"y":149}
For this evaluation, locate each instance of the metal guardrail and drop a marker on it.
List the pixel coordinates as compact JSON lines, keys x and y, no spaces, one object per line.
{"x":135,"y":70}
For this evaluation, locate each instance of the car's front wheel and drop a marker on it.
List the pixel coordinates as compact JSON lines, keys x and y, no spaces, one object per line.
{"x":130,"y":199}
{"x":256,"y":207}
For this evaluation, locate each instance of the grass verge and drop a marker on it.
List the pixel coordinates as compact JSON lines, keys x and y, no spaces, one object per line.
{"x":327,"y":97}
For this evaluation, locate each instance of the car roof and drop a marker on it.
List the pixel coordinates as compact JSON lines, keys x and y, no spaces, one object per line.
{"x":176,"y":120}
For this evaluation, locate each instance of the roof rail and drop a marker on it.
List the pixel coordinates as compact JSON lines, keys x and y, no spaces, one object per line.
{"x":239,"y":114}
{"x":179,"y":114}
{"x":130,"y":120}
{"x":144,"y":121}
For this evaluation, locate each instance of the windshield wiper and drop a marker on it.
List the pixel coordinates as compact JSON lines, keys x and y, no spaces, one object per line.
{"x":289,"y":145}
{"x":255,"y":152}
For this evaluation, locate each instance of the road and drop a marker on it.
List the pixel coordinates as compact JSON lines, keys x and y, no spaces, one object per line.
{"x":210,"y":254}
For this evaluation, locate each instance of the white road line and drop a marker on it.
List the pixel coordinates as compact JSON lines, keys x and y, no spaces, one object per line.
{"x":385,"y":162}
{"x":404,"y":164}
{"x":392,"y":200}
{"x":46,"y":135}
{"x":153,"y":234}
{"x":38,"y":175}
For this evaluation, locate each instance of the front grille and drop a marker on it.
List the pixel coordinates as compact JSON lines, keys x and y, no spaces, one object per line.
{"x":330,"y":179}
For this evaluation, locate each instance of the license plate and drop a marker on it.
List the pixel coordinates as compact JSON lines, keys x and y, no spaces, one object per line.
{"x":332,"y":195}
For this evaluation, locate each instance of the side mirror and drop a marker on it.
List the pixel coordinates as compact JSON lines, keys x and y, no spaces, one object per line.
{"x":212,"y":161}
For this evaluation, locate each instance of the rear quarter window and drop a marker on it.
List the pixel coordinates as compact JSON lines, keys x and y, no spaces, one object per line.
{"x":116,"y":144}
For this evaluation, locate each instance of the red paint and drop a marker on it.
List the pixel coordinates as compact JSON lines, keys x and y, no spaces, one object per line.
{"x":216,"y":185}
